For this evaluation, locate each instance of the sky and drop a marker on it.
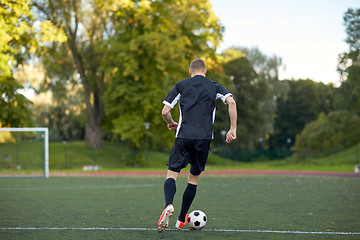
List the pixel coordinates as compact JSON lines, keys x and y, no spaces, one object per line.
{"x":308,"y":35}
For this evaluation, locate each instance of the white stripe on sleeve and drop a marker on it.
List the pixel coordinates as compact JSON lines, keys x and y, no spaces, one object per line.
{"x":223,"y":97}
{"x":173,"y":103}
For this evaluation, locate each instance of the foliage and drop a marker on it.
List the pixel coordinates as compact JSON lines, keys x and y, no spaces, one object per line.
{"x":257,"y":106}
{"x":128,"y":45}
{"x":349,"y":64}
{"x":13,"y":105}
{"x":20,"y":38}
{"x":222,"y":120}
{"x":15,"y":32}
{"x":301,"y":105}
{"x":267,"y":68}
{"x":119,"y":59}
{"x":153,"y":45}
{"x":339,"y":129}
{"x":329,"y":133}
{"x":79,"y":59}
{"x":249,"y":91}
{"x":352,"y":24}
{"x":15,"y":25}
{"x":349,"y":91}
{"x":63,"y":111}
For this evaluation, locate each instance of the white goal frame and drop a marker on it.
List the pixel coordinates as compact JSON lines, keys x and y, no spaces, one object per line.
{"x":46,"y":142}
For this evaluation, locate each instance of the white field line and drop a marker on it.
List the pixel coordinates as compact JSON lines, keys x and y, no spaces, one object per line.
{"x":77,"y":187}
{"x":155,"y":229}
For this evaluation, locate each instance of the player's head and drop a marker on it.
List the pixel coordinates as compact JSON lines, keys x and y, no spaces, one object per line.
{"x":197,"y":67}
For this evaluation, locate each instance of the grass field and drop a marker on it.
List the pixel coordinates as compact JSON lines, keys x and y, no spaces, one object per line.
{"x":74,"y":155}
{"x":112,"y":207}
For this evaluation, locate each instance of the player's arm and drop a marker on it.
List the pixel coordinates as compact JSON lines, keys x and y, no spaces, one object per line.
{"x":231,"y":134}
{"x":172,"y":125}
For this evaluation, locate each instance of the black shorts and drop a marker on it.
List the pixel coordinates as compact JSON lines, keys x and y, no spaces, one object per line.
{"x":190,"y":151}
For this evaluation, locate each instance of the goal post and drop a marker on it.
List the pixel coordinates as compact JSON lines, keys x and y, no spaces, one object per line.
{"x":45,"y":130}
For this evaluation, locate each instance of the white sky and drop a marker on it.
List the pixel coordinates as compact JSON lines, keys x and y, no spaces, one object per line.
{"x":307,"y":34}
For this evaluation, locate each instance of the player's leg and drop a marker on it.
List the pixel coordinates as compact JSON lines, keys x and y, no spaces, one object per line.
{"x":179,"y":158}
{"x":169,"y":193}
{"x":170,"y":187}
{"x":198,"y":162}
{"x":188,"y":197}
{"x":193,"y":179}
{"x":175,"y":164}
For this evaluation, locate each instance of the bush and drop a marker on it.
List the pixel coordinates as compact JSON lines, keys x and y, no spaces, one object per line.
{"x":328,"y":134}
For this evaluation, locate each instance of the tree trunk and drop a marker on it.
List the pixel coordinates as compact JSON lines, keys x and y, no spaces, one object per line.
{"x":94,"y":109}
{"x":95,"y":112}
{"x":93,"y":135}
{"x":93,"y":132}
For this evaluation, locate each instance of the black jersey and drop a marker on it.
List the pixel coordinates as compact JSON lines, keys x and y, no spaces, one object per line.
{"x":197,"y":97}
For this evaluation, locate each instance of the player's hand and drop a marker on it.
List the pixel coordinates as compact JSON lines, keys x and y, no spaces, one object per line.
{"x":231,"y":135}
{"x":172,"y":126}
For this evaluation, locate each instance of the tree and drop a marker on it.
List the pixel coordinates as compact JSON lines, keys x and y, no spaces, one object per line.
{"x":153,"y":45}
{"x":349,"y":63}
{"x":352,"y":24}
{"x":295,"y":109}
{"x":15,"y":32}
{"x":100,"y":32}
{"x":328,"y":134}
{"x":249,"y":91}
{"x":19,"y":40}
{"x":267,"y":69}
{"x":86,"y":26}
{"x":14,"y":106}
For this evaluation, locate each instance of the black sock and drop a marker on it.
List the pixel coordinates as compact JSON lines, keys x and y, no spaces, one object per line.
{"x":188,"y":197}
{"x":169,"y":191}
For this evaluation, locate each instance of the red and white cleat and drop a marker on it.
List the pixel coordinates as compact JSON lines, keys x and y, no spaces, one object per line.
{"x":165,"y":217}
{"x":179,"y":224}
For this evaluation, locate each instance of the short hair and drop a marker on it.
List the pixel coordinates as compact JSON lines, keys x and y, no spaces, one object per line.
{"x":197,"y":65}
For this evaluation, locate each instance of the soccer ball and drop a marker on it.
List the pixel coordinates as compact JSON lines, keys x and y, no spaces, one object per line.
{"x":197,"y":219}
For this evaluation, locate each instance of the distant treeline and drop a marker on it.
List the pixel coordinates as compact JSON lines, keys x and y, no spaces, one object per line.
{"x":100,"y":69}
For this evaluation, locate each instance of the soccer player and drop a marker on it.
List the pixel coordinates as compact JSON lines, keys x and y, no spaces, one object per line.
{"x":194,"y":132}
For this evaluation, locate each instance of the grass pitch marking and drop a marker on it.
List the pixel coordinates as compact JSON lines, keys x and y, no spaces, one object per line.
{"x":155,"y":229}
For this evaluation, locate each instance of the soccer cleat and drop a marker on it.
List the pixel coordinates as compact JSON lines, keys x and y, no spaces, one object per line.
{"x":165,"y":217}
{"x":179,"y":224}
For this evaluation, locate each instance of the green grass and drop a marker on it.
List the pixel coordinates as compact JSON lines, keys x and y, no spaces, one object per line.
{"x":28,"y":155}
{"x":74,"y":155}
{"x":248,"y":202}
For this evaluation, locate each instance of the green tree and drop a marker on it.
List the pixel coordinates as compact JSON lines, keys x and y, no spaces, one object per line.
{"x":19,"y":40}
{"x":328,"y":134}
{"x":66,"y":114}
{"x":352,"y":24}
{"x":295,"y":109}
{"x":267,"y":69}
{"x":249,"y":91}
{"x":153,"y":45}
{"x":15,"y":22}
{"x":87,"y":26}
{"x":14,"y":110}
{"x":16,"y":35}
{"x":127,"y":40}
{"x":349,"y":64}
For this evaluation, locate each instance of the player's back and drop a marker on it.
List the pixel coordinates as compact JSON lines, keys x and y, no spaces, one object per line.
{"x":197,"y":106}
{"x":197,"y":97}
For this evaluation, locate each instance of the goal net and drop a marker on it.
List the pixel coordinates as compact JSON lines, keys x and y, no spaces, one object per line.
{"x":24,"y":152}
